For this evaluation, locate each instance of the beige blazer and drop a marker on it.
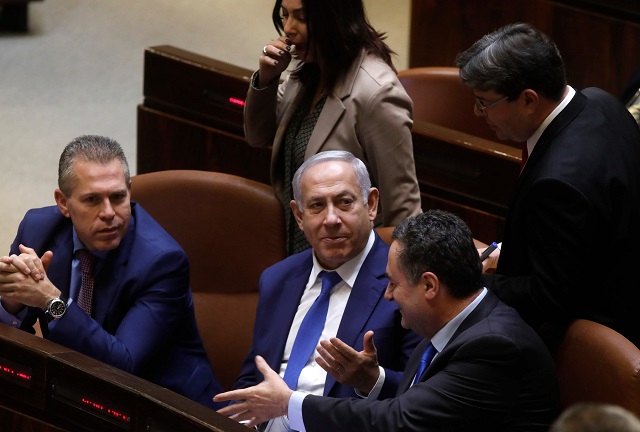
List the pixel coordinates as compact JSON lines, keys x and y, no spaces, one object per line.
{"x":368,"y":113}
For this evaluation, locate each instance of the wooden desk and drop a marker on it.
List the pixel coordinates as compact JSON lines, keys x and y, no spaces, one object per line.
{"x":189,"y":120}
{"x":47,"y":387}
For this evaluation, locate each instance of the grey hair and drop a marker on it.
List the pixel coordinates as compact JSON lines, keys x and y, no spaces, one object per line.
{"x":359,"y":168}
{"x":596,"y":417}
{"x":90,"y":148}
{"x":511,"y":59}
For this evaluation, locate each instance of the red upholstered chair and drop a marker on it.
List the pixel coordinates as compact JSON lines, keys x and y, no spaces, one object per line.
{"x":598,"y":364}
{"x":440,"y":98}
{"x":385,"y":233}
{"x":232,"y":229}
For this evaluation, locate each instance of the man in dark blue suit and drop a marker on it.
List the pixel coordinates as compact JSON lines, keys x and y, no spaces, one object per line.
{"x":138,"y":314}
{"x":335,"y":206}
{"x":487,"y":370}
{"x":570,"y":246}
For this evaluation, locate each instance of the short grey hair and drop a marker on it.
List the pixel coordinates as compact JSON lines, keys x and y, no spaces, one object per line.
{"x":359,"y":168}
{"x":90,"y":148}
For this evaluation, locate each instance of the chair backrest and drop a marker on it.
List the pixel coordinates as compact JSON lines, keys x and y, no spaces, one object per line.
{"x":232,"y":229}
{"x":385,"y":233}
{"x":440,"y":98}
{"x":597,"y":364}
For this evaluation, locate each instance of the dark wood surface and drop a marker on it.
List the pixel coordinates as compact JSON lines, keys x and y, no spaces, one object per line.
{"x":178,"y":128}
{"x":71,"y":392}
{"x":599,"y":39}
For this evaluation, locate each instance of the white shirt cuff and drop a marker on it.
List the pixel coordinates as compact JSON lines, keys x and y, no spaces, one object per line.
{"x":377,"y":388}
{"x":12,"y":320}
{"x":295,"y":411}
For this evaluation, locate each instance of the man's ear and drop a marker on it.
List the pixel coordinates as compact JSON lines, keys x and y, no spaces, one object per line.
{"x":61,"y":201}
{"x":431,"y":285}
{"x":530,"y":98}
{"x":372,"y":203}
{"x":297,"y":213}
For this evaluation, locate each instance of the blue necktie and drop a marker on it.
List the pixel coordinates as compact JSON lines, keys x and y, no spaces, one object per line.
{"x":310,"y":330}
{"x":427,"y":356}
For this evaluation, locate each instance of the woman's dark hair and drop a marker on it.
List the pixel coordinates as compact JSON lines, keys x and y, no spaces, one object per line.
{"x":337,"y":31}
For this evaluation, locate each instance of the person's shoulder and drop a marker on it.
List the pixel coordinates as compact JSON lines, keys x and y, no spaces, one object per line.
{"x":149,"y":233}
{"x":44,"y":215}
{"x":297,"y":261}
{"x":378,"y":70}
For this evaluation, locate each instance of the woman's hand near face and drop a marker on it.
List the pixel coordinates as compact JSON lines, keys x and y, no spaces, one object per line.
{"x":275,"y":58}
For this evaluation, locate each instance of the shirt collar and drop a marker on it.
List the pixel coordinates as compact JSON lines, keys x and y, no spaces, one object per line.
{"x":349,"y":270}
{"x":533,"y":139}
{"x":442,"y":337}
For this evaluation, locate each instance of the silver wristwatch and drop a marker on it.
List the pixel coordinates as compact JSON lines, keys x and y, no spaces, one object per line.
{"x":56,"y":308}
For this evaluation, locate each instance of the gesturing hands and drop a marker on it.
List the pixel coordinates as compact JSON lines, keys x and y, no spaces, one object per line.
{"x":348,"y":366}
{"x":267,"y":400}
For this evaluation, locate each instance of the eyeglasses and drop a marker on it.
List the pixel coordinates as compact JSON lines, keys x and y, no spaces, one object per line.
{"x":483,"y":108}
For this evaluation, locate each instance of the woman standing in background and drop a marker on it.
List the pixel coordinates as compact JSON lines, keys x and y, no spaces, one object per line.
{"x":343,"y":94}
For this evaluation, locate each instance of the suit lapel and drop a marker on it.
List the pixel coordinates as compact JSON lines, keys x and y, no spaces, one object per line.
{"x":293,"y":285}
{"x":366,"y":293}
{"x":562,"y":120}
{"x":108,"y":280}
{"x":481,"y":311}
{"x":412,"y":367}
{"x":334,"y":108}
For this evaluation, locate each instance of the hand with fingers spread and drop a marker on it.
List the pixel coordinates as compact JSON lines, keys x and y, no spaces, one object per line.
{"x":260,"y":403}
{"x":24,"y":282}
{"x":348,"y":366}
{"x":274,"y":60}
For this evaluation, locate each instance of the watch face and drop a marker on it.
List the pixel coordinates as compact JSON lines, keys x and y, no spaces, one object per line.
{"x":57,"y":308}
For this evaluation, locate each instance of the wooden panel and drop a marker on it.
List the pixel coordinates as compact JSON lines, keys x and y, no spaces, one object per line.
{"x":47,"y":387}
{"x":166,"y":141}
{"x":599,"y":39}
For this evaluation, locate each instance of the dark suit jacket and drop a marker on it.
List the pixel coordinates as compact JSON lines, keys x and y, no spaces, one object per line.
{"x":281,"y":287}
{"x":572,"y":235}
{"x":143,"y":320}
{"x":494,"y":374}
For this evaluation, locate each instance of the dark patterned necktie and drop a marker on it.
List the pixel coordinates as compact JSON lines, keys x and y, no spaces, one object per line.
{"x":85,"y":296}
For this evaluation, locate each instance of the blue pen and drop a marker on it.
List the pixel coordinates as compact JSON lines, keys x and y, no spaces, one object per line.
{"x":488,"y":251}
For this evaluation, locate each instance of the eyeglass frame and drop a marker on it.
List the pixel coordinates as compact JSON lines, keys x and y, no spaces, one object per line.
{"x":483,"y":108}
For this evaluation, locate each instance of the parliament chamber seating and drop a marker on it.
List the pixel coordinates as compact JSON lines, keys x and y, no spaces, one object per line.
{"x":439,"y":97}
{"x":597,"y":364}
{"x":231,"y":228}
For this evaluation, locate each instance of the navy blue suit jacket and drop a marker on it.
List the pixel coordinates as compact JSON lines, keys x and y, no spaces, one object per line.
{"x":572,"y":235}
{"x":494,"y":374}
{"x":281,"y":287}
{"x":143,"y":319}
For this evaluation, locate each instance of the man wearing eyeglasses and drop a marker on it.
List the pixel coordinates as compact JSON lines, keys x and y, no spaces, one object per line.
{"x":571,"y":238}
